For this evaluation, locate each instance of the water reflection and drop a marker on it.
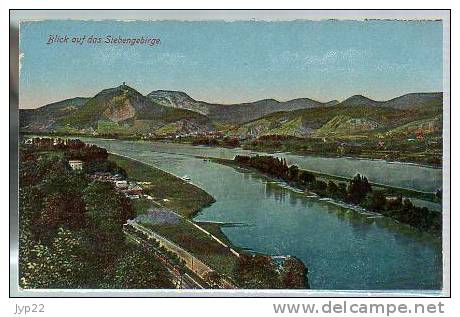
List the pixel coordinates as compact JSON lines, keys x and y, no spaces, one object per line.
{"x":273,"y":190}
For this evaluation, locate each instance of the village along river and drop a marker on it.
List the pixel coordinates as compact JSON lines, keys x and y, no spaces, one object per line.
{"x":342,"y":248}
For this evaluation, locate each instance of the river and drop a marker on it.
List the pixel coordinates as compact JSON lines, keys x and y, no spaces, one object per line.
{"x":343,"y":249}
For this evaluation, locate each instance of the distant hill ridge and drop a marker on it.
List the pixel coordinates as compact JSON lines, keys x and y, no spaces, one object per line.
{"x":355,"y":115}
{"x":230,"y":113}
{"x":123,"y":109}
{"x":120,"y":109}
{"x":360,"y":100}
{"x":244,"y":112}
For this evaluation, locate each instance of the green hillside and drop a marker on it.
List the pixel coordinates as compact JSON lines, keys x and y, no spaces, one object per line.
{"x":47,"y":115}
{"x":429,"y":125}
{"x":116,"y":111}
{"x":257,"y":127}
{"x":293,"y":127}
{"x":114,"y":104}
{"x":337,"y":120}
{"x":345,"y":125}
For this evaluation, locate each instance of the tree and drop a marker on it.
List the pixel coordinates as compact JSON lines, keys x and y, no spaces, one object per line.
{"x":256,"y":271}
{"x":395,"y":204}
{"x":342,"y":189}
{"x":378,"y":201}
{"x":319,"y":185}
{"x":32,"y":171}
{"x":30,"y":203}
{"x":332,"y":188}
{"x":294,"y":274}
{"x":140,"y":269}
{"x":305,"y":177}
{"x":358,"y":188}
{"x":293,"y":173}
{"x":407,"y":204}
{"x":62,"y":210}
{"x":65,"y":182}
{"x":70,"y":230}
{"x":107,"y":210}
{"x":104,"y":166}
{"x":57,"y":265}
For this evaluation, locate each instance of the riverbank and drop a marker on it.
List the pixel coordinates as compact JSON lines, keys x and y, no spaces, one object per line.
{"x":416,"y":177}
{"x":274,"y":220}
{"x":409,"y":193}
{"x":380,"y":201}
{"x":420,"y":158}
{"x":395,"y":151}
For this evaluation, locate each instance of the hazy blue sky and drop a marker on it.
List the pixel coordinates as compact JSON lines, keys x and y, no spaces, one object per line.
{"x":231,"y":62}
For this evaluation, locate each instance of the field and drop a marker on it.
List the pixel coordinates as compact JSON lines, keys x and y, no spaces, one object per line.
{"x":170,"y":191}
{"x":199,"y":244}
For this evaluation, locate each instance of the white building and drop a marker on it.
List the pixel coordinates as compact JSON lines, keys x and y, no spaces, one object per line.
{"x":76,"y":165}
{"x":121,"y":184}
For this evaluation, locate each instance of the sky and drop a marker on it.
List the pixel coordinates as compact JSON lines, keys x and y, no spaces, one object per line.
{"x":232,"y":62}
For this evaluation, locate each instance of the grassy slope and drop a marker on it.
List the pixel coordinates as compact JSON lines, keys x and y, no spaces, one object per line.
{"x":169,"y":128}
{"x":152,"y":114}
{"x":260,"y":125}
{"x":434,"y":123}
{"x":182,"y":196}
{"x":88,"y":113}
{"x":199,"y":244}
{"x":292,"y":127}
{"x":366,"y":125}
{"x":216,"y":230}
{"x":343,"y":125}
{"x":387,"y":118}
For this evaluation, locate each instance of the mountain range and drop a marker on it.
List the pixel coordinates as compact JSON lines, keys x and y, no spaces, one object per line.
{"x":123,"y":110}
{"x":231,"y":113}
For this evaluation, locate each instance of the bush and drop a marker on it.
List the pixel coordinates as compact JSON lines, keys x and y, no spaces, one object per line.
{"x":378,"y":201}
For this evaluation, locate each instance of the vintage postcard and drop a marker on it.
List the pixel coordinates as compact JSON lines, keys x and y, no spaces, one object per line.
{"x":234,"y":157}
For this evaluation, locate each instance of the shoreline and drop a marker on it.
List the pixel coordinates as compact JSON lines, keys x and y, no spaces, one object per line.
{"x":149,"y":165}
{"x":330,"y":200}
{"x":412,"y":192}
{"x":361,"y":158}
{"x":275,"y":152}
